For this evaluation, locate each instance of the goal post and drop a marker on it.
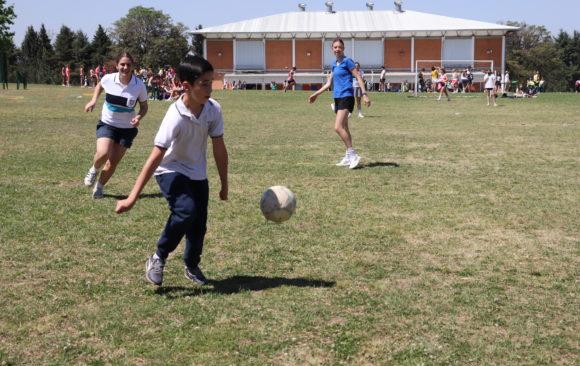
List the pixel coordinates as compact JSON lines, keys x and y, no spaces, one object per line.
{"x":477,"y":66}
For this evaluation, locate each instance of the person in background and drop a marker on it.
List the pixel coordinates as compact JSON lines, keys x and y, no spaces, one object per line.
{"x":434,"y":78}
{"x":63,"y":76}
{"x":506,"y":82}
{"x":455,"y":81}
{"x":489,"y":80}
{"x":443,"y":79}
{"x":382,"y":80}
{"x":357,"y":88}
{"x":290,"y":82}
{"x":340,"y":78}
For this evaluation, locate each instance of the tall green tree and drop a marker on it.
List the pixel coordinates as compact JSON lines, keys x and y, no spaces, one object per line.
{"x":6,"y":16}
{"x":570,"y":53}
{"x":197,"y":42}
{"x":81,"y":49}
{"x":143,"y":30}
{"x":531,"y":49}
{"x":101,"y":47}
{"x":171,"y":49}
{"x":45,"y":52}
{"x":63,"y":45}
{"x":30,"y":45}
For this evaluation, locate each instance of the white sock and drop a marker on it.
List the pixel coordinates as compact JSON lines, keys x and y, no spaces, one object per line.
{"x":155,"y":256}
{"x":93,"y":170}
{"x":350,"y":152}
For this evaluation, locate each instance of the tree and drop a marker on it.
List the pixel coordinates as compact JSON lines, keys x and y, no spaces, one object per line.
{"x":63,"y":45}
{"x":81,"y":49}
{"x":570,"y":51}
{"x":197,"y":42}
{"x":170,"y":50}
{"x":101,"y":47}
{"x":45,"y":50}
{"x":6,"y":16}
{"x":30,"y":45}
{"x":533,"y":49}
{"x":143,"y":30}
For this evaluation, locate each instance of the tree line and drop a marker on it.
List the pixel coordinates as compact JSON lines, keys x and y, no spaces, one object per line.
{"x":148,"y":34}
{"x":152,"y":38}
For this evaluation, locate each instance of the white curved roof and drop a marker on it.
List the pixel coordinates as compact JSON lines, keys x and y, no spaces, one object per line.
{"x":365,"y":24}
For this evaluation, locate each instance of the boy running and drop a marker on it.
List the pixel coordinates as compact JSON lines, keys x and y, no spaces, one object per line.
{"x":178,"y":161}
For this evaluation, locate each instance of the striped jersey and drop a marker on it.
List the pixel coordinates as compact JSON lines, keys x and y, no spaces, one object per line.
{"x":121,"y":100}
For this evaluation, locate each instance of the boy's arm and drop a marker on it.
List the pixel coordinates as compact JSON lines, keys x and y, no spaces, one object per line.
{"x":150,"y":165}
{"x":312,"y":98}
{"x":220,"y":154}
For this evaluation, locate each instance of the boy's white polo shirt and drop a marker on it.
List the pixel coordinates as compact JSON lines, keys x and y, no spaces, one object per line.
{"x":120,"y":100}
{"x":185,"y":138}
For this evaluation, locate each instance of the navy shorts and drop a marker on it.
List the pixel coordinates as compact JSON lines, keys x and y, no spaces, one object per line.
{"x":122,"y":136}
{"x":344,"y":103}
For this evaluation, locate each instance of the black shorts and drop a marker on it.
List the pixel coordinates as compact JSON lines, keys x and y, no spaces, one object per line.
{"x":122,"y":136}
{"x":382,"y":80}
{"x":344,"y":103}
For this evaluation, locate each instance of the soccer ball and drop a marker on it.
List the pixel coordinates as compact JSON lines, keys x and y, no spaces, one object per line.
{"x":278,"y":203}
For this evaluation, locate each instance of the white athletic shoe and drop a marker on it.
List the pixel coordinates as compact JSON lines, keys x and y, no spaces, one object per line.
{"x":332,"y":106}
{"x":349,"y":115}
{"x":98,"y":192}
{"x":344,"y":162}
{"x":90,"y":178}
{"x":354,"y":160}
{"x":360,"y":115}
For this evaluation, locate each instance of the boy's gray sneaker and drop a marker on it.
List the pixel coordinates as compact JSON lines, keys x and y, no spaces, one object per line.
{"x":98,"y":192}
{"x":195,"y":275}
{"x":154,"y":270}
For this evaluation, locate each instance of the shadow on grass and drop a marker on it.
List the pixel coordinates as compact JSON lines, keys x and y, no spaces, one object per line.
{"x":122,"y":197}
{"x":377,"y":164}
{"x":236,"y":284}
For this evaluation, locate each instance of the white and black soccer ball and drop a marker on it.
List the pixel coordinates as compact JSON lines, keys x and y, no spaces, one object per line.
{"x":278,"y":203}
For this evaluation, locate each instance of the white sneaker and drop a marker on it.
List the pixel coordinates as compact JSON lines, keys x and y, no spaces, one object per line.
{"x":354,"y":160}
{"x":332,"y":106}
{"x":90,"y":178}
{"x":360,"y":115}
{"x":98,"y":192}
{"x":349,"y":115}
{"x":344,"y":162}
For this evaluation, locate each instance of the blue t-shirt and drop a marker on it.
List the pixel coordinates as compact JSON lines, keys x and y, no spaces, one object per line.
{"x":342,"y":78}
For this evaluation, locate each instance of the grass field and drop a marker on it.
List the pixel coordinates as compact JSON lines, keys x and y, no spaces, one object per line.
{"x":455,"y":243}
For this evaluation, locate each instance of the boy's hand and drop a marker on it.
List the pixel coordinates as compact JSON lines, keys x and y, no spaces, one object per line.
{"x":224,"y":194}
{"x":312,"y":98}
{"x":124,"y":205}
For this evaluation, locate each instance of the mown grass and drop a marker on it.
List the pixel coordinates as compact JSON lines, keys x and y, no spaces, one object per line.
{"x":456,"y":242}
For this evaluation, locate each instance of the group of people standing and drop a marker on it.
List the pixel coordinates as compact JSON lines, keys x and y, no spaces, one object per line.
{"x":88,"y":77}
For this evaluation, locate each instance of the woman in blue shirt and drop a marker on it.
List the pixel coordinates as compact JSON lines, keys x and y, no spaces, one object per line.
{"x":341,"y":76}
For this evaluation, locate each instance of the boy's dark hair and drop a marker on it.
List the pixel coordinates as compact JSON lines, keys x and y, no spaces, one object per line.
{"x":192,"y":67}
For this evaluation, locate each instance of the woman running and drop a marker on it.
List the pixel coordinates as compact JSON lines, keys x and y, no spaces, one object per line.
{"x":118,"y":124}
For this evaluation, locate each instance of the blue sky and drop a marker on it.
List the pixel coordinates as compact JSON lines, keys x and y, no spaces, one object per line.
{"x":86,"y":16}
